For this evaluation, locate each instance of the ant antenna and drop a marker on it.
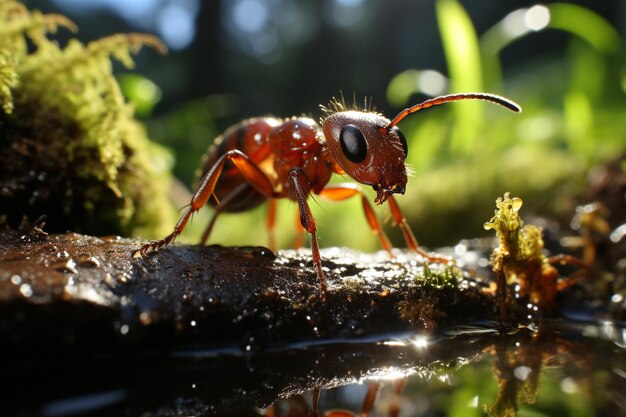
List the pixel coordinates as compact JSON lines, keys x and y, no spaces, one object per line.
{"x":504,"y":102}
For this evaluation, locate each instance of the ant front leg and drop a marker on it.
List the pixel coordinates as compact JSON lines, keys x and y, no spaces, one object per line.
{"x":301,"y":185}
{"x":341,"y":192}
{"x":409,"y":237}
{"x":252,"y":174}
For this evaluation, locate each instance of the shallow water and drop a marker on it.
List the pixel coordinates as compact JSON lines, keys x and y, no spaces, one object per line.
{"x":560,"y":369}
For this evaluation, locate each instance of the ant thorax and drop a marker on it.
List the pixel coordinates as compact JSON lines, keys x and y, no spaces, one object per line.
{"x":299,"y":143}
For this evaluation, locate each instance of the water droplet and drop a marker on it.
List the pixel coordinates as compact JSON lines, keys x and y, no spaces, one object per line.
{"x":618,"y":234}
{"x":193,"y":323}
{"x":516,"y":203}
{"x":26,"y":290}
{"x":110,"y":238}
{"x":66,"y":266}
{"x":122,"y":278}
{"x":145,"y":318}
{"x":124,"y":329}
{"x":88,"y":261}
{"x":16,"y":279}
{"x":262,"y":252}
{"x":108,"y":280}
{"x":489,"y":226}
{"x":522,"y":372}
{"x":460,"y":249}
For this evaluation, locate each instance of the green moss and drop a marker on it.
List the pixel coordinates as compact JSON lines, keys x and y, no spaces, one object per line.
{"x":440,"y":278}
{"x":432,"y":285}
{"x":71,"y":148}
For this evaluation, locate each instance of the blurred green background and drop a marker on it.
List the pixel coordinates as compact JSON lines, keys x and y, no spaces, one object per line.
{"x":564,"y":63}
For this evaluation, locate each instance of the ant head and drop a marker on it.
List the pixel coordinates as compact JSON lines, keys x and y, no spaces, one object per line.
{"x":371,"y":149}
{"x":368,"y":151}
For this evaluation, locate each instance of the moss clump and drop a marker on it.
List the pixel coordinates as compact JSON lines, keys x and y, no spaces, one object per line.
{"x":70,"y":147}
{"x":518,"y":260}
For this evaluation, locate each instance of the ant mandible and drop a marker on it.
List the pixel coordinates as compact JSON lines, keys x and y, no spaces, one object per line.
{"x":270,"y":158}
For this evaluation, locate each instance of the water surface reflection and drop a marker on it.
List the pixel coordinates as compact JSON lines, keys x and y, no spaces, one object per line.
{"x":559,"y":369}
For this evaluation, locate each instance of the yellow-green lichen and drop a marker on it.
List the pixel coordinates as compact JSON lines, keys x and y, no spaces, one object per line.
{"x":71,"y":148}
{"x":518,"y":260}
{"x":518,"y":241}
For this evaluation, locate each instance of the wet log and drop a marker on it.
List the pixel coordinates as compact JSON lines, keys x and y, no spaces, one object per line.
{"x":85,"y":326}
{"x":74,"y":290}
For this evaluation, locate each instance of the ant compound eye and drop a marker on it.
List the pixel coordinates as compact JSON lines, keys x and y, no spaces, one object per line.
{"x":405,"y":146}
{"x":353,"y":143}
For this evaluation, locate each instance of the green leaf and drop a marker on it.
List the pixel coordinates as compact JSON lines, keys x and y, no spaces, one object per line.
{"x":460,"y":44}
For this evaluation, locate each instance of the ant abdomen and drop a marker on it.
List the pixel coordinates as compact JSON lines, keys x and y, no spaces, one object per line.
{"x":251,"y":138}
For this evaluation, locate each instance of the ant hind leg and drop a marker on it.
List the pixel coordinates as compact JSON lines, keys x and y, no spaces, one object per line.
{"x":248,"y":169}
{"x":220,"y":208}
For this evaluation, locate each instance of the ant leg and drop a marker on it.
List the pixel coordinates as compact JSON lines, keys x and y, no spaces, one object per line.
{"x":299,"y":240}
{"x":339,"y":192}
{"x":576,"y":276}
{"x":301,"y":187}
{"x":394,"y":407}
{"x":298,"y":406}
{"x":252,"y":174}
{"x":409,"y":237}
{"x":568,"y":260}
{"x":370,"y":397}
{"x":315,"y":399}
{"x":270,"y":411}
{"x":271,"y":223}
{"x":223,"y":206}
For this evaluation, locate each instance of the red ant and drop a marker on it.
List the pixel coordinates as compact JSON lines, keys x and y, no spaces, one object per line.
{"x":270,"y":158}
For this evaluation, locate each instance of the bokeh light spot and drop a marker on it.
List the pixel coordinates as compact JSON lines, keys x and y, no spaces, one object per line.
{"x":537,"y":17}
